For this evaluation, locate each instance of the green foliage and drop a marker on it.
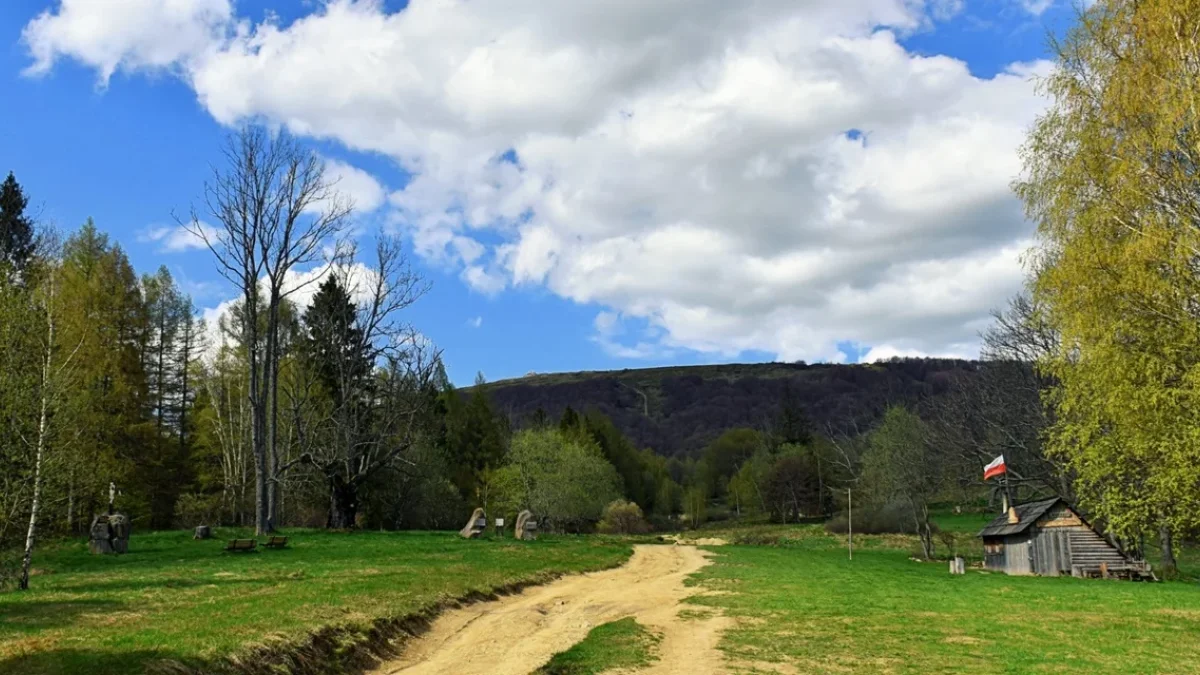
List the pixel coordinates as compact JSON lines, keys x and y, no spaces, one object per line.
{"x":474,"y":438}
{"x":565,"y":481}
{"x":16,"y":228}
{"x":695,"y":505}
{"x":790,"y":488}
{"x":724,"y":456}
{"x":641,"y":471}
{"x":902,"y":466}
{"x":1111,"y":177}
{"x":172,"y":599}
{"x":624,"y":644}
{"x":622,"y":517}
{"x":894,"y":518}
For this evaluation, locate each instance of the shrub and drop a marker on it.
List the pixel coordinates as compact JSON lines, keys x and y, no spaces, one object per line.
{"x":889,"y":519}
{"x":623,"y":517}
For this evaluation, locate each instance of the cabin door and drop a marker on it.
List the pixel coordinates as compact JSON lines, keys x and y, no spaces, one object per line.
{"x":1019,"y":556}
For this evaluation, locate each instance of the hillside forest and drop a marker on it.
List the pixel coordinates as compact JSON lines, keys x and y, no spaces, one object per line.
{"x":337,"y":413}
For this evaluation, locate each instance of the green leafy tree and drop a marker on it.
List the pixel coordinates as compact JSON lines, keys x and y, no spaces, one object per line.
{"x":565,"y":481}
{"x":725,"y":455}
{"x":901,"y":466}
{"x":105,"y":321}
{"x":1112,"y":170}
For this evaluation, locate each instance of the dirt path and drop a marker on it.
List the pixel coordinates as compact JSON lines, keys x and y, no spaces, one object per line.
{"x":518,"y":634}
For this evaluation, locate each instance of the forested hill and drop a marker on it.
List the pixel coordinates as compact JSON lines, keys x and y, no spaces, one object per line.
{"x":678,"y":410}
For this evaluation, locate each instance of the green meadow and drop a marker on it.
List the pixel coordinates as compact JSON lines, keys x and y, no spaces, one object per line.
{"x":800,"y":605}
{"x":172,"y":600}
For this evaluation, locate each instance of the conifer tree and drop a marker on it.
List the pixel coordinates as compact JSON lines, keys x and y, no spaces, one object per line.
{"x":16,"y":229}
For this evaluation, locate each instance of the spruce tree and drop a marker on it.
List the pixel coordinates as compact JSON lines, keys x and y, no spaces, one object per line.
{"x":16,"y":229}
{"x":333,"y":345}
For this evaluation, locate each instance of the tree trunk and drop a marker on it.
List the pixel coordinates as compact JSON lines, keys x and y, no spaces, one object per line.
{"x":31,"y":535}
{"x":43,"y":429}
{"x":271,"y":389}
{"x":343,"y":504}
{"x":1169,"y":566}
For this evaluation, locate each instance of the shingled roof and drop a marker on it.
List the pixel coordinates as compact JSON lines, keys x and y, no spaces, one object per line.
{"x":1027,"y":515}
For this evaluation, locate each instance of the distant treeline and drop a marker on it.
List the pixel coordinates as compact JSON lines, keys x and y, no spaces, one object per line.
{"x":680,"y":410}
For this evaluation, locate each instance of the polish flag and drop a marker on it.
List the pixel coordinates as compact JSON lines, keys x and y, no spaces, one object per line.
{"x":995,"y":468}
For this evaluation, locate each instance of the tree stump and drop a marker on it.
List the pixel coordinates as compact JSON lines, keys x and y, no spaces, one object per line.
{"x":526,"y":527}
{"x":202,"y":532}
{"x":475,"y":526}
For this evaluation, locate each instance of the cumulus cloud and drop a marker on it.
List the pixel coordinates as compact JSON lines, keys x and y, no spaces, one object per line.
{"x":130,"y":34}
{"x":299,"y":286}
{"x":175,"y":238}
{"x":777,"y":176}
{"x":351,"y":182}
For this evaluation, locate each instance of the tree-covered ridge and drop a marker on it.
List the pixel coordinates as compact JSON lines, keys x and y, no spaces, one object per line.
{"x":680,"y":409}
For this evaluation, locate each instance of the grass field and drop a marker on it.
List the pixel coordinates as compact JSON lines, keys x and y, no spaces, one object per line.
{"x":800,"y":604}
{"x":803,"y":603}
{"x":172,"y":598}
{"x":617,"y":645}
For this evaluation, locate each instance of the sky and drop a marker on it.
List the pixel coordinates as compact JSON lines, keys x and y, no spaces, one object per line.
{"x":587,"y":185}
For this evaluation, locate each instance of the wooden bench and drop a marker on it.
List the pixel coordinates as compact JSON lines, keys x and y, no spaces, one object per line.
{"x":241,"y":545}
{"x":276,"y":542}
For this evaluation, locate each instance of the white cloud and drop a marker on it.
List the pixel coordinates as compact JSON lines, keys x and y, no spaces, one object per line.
{"x":360,"y":187}
{"x":176,"y":238}
{"x":475,"y":322}
{"x":684,"y":163}
{"x":1036,"y":7}
{"x":299,"y":286}
{"x":132,"y":34}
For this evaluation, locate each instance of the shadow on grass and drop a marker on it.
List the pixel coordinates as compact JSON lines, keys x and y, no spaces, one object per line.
{"x":259,"y":578}
{"x":28,"y":617}
{"x":86,"y":661}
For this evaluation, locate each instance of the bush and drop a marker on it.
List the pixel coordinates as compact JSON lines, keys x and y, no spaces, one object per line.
{"x":623,"y":517}
{"x":889,"y":519}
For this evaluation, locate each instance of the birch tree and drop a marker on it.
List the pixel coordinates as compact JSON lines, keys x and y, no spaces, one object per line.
{"x":55,"y":362}
{"x":1112,"y":175}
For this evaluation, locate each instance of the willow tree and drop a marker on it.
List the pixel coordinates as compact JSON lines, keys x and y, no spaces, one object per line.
{"x":1111,"y":180}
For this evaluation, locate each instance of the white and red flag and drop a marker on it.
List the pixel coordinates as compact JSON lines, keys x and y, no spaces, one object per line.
{"x":995,"y":468}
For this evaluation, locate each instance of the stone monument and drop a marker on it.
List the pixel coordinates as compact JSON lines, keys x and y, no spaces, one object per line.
{"x":109,"y":534}
{"x":526,"y":527}
{"x":110,"y":531}
{"x":475,"y":526}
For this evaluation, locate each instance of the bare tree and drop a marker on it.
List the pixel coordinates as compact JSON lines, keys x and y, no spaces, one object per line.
{"x":379,"y":371}
{"x":276,"y":211}
{"x":999,"y":408}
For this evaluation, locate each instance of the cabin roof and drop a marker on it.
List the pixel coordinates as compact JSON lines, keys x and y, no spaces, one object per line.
{"x":1027,"y":515}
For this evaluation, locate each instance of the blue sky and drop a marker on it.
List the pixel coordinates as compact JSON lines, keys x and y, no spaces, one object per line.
{"x":581,"y":279}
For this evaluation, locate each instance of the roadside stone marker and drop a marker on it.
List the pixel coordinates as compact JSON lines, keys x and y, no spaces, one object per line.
{"x":475,"y":526}
{"x":526,"y":526}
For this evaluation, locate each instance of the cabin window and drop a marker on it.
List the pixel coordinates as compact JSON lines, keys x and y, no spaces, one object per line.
{"x":993,"y":548}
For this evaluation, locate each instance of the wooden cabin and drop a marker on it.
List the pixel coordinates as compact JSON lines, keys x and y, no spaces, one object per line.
{"x":1050,"y":538}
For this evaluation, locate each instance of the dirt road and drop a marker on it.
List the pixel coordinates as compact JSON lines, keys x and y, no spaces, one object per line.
{"x":518,"y":634}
